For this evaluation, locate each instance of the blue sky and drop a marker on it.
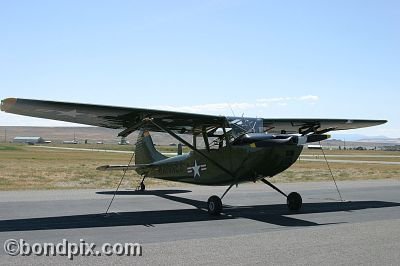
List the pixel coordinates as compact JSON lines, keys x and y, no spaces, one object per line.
{"x":324,"y":59}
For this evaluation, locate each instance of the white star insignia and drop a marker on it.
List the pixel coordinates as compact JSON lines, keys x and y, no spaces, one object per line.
{"x":196,"y":169}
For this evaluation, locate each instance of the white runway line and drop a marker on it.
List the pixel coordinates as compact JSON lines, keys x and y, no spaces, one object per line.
{"x":352,"y":155}
{"x":351,"y":161}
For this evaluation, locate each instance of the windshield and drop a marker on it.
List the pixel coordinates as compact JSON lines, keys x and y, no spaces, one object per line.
{"x":244,"y":125}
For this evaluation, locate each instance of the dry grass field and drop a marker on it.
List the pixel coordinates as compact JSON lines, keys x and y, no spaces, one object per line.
{"x":29,"y":167}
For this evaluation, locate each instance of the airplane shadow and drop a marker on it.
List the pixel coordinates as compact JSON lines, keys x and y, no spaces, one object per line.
{"x":156,"y":192}
{"x":273,"y":214}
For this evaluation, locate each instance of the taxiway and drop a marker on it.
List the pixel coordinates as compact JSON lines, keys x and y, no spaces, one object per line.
{"x":174,"y":227}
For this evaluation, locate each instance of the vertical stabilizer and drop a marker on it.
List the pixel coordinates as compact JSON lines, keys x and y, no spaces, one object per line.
{"x":145,"y":153}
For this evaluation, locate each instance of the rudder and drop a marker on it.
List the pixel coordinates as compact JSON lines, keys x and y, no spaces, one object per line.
{"x":145,"y":153}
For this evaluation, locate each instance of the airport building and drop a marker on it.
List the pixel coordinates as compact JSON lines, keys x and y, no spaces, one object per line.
{"x":34,"y":140}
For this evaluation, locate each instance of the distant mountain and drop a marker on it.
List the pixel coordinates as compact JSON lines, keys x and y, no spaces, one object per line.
{"x":381,"y":140}
{"x":364,"y":138}
{"x":349,"y":137}
{"x":95,"y":134}
{"x":92,"y":134}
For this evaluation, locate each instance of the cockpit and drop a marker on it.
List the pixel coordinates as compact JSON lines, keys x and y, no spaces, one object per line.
{"x":239,"y":126}
{"x":244,"y":131}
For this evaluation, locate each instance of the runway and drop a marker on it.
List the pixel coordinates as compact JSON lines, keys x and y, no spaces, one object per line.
{"x":174,"y":228}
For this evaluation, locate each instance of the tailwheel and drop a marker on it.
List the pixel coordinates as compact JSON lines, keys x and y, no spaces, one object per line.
{"x":141,"y":186}
{"x":214,"y":205}
{"x":294,"y":201}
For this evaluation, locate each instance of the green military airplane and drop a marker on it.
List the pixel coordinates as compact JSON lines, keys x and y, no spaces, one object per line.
{"x":236,"y":149}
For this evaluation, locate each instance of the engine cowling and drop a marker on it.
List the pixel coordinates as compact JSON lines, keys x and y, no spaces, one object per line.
{"x":263,"y":140}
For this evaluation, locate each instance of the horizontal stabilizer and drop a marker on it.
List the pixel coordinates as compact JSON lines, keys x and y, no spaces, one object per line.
{"x":120,"y":167}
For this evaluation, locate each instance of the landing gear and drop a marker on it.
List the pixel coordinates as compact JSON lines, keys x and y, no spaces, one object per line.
{"x":294,"y":201}
{"x":214,"y":205}
{"x":142,"y":186}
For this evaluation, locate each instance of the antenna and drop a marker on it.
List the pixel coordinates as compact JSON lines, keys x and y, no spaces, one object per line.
{"x":230,"y":107}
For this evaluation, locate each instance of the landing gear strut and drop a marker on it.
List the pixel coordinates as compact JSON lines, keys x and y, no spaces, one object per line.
{"x":293,"y":200}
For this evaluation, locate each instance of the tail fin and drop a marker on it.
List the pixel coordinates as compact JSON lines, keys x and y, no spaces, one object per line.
{"x":145,"y":153}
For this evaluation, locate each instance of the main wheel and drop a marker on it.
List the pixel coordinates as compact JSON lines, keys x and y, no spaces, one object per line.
{"x":294,"y":201}
{"x":214,"y":205}
{"x":142,"y":187}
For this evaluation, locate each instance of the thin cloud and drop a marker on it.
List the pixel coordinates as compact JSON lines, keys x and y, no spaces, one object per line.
{"x":308,"y":98}
{"x":275,"y":100}
{"x":311,"y":98}
{"x":226,"y":108}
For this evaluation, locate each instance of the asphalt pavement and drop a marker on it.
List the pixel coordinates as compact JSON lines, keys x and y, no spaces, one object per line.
{"x":173,"y":227}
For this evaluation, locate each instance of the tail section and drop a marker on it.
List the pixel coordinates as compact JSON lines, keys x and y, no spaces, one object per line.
{"x":145,"y":153}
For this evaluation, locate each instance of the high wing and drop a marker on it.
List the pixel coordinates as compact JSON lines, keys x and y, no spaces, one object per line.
{"x":317,"y":126}
{"x":130,"y":119}
{"x":109,"y":116}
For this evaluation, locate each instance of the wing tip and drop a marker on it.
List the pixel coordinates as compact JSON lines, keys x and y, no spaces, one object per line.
{"x":380,"y":122}
{"x":7,"y":103}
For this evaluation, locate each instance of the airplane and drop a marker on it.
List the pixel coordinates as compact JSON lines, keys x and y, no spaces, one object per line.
{"x":236,"y":149}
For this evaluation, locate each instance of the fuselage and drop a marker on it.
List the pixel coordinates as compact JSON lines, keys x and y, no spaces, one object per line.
{"x":245,"y":161}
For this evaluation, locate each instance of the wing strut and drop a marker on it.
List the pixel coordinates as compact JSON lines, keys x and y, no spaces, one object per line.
{"x":119,"y":184}
{"x":204,"y":132}
{"x":131,"y":129}
{"x":330,"y":170}
{"x":160,"y":126}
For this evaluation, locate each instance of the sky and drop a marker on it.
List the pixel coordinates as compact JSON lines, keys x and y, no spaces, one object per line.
{"x":270,"y":59}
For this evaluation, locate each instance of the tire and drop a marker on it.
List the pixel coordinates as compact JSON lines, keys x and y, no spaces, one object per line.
{"x":214,"y":205}
{"x":294,"y":201}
